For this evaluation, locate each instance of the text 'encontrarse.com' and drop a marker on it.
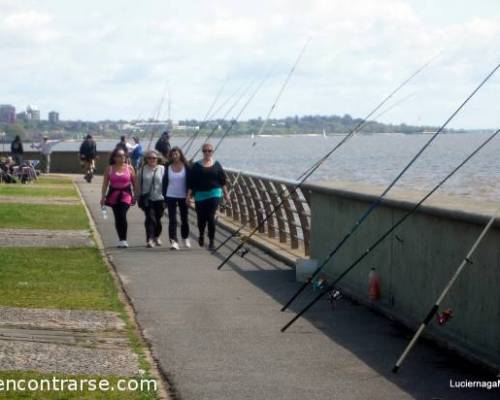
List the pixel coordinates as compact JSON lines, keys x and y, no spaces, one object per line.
{"x":56,"y":384}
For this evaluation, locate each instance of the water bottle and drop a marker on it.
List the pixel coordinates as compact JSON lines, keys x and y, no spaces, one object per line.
{"x":104,"y":212}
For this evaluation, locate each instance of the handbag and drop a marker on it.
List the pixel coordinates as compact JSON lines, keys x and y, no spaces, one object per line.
{"x":144,"y":198}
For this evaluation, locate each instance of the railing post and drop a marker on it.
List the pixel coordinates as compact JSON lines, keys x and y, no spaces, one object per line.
{"x":266,"y":200}
{"x":248,"y":200}
{"x":256,"y":202}
{"x":273,"y":194}
{"x":301,"y":212}
{"x":285,"y":198}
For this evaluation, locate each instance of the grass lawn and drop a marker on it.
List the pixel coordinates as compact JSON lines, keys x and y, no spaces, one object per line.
{"x":53,"y":180}
{"x":37,"y":191}
{"x":43,"y":216}
{"x":68,"y":394}
{"x":74,"y":278}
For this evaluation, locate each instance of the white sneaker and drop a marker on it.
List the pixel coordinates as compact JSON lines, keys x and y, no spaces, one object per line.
{"x":174,"y":245}
{"x":157,"y":241}
{"x":150,"y":244}
{"x":122,"y":244}
{"x":187,"y":243}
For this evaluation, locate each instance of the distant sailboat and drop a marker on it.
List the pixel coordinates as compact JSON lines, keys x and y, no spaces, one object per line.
{"x":253,"y":135}
{"x":324,"y":134}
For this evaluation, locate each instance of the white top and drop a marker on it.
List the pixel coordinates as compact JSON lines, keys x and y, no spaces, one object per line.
{"x":131,"y":147}
{"x":46,"y":146}
{"x":177,"y":183}
{"x":147,"y":176}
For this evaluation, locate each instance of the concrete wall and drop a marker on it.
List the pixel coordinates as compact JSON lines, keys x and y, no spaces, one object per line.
{"x":67,"y":161}
{"x":417,"y":260}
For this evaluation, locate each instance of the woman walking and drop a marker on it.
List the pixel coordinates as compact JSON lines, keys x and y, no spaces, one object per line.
{"x":175,"y":187}
{"x":149,"y":188}
{"x":208,"y":186}
{"x":117,"y":192}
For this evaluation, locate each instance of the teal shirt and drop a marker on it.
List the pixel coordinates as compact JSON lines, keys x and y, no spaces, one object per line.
{"x":209,"y":194}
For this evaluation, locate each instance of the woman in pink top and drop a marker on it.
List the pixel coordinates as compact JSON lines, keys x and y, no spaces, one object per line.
{"x":117,"y":192}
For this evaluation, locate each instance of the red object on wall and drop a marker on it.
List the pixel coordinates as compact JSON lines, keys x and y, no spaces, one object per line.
{"x":373,"y":285}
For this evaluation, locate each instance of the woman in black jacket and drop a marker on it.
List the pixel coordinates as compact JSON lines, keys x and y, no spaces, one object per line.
{"x":175,"y":188}
{"x":207,"y":186}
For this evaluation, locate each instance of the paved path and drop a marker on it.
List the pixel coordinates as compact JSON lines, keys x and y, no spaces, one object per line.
{"x":216,"y":333}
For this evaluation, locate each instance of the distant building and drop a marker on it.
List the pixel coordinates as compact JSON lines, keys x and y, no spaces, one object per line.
{"x":33,"y":113}
{"x":7,"y":114}
{"x":22,"y":116}
{"x":53,"y":117}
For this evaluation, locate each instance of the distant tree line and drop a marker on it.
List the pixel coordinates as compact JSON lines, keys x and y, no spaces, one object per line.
{"x":312,"y":124}
{"x":289,"y":126}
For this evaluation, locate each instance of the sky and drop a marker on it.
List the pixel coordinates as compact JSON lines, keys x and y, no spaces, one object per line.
{"x":116,"y":59}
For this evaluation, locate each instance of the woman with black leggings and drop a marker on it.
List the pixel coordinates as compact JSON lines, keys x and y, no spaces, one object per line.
{"x":175,"y":187}
{"x":149,"y":189}
{"x":207,"y":186}
{"x":117,"y":192}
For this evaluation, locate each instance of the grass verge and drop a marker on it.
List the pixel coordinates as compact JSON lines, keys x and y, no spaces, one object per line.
{"x":53,"y":180}
{"x":43,"y":216}
{"x":36,"y":191}
{"x":56,"y":278}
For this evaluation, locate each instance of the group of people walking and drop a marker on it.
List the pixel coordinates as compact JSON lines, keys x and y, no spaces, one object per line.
{"x":174,"y":185}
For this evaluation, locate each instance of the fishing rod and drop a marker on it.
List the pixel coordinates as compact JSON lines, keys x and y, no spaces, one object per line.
{"x":304,"y":176}
{"x":262,"y":127}
{"x":233,"y":122}
{"x":393,"y":105}
{"x":205,"y":118}
{"x":156,"y":117}
{"x":331,"y":286}
{"x":467,"y":260}
{"x":234,"y":94}
{"x":365,"y":122}
{"x":379,"y":199}
{"x":237,"y":117}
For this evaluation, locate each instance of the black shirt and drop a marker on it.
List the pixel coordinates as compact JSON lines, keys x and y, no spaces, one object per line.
{"x":203,"y":179}
{"x":88,"y":148}
{"x":16,"y":147}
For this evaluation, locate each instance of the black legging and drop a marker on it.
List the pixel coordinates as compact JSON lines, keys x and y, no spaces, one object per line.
{"x":205,"y":211}
{"x":153,"y":213}
{"x":172,"y":204}
{"x":120,"y":213}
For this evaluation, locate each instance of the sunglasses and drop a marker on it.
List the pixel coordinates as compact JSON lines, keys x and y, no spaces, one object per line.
{"x":119,"y":155}
{"x":207,"y":151}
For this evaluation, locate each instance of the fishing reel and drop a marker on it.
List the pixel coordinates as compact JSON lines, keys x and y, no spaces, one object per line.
{"x":334,"y":295}
{"x":243,"y":252}
{"x":445,"y":316}
{"x":243,"y":238}
{"x":319,"y":284}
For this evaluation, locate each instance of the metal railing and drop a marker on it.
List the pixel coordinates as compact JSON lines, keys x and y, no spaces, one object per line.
{"x":253,"y":196}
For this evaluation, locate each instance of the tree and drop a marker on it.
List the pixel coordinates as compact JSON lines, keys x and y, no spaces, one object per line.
{"x":12,"y":130}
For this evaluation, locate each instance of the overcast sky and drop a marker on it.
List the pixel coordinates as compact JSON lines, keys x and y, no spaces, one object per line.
{"x":113,"y":59}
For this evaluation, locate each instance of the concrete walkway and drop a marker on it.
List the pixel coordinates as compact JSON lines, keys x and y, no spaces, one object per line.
{"x":216,"y":333}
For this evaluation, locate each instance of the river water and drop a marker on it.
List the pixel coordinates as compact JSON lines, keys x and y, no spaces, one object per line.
{"x":373,"y":159}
